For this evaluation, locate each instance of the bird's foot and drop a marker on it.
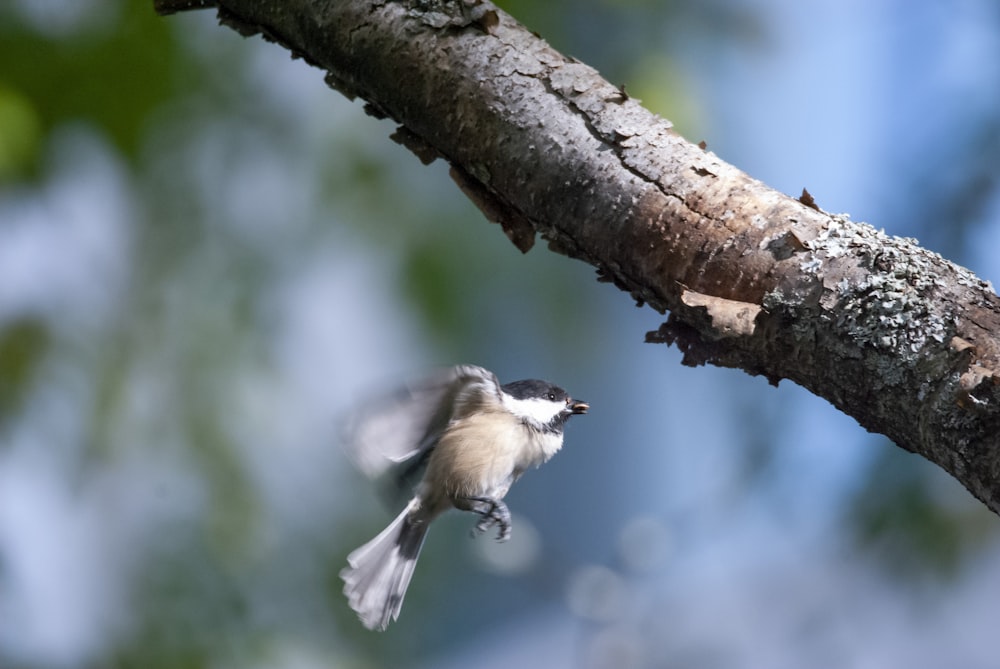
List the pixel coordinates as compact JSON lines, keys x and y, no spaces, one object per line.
{"x":492,"y":512}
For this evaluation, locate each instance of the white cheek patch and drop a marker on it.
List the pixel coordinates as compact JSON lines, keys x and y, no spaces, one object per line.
{"x":537,"y":410}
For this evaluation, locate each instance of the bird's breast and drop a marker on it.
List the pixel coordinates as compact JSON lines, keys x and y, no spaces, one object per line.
{"x":482,"y":455}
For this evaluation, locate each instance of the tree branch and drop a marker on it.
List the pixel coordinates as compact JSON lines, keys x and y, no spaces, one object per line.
{"x":892,"y":334}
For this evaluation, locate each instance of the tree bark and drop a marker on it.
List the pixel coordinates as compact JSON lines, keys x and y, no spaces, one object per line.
{"x":890,"y":333}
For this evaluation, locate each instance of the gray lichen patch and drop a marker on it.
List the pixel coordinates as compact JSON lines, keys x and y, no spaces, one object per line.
{"x":881,"y":290}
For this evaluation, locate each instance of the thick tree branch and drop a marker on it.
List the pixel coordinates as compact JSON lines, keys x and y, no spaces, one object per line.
{"x":897,"y":337}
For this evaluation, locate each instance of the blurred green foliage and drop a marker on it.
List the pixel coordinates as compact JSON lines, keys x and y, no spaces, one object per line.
{"x":917,"y":521}
{"x":20,"y":134}
{"x":23,"y":345}
{"x":112,"y":73}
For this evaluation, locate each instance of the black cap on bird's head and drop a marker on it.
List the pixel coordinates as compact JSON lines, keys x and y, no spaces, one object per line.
{"x":535,"y":389}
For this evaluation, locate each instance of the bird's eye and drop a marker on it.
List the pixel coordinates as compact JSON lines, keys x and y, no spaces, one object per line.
{"x":552,"y":397}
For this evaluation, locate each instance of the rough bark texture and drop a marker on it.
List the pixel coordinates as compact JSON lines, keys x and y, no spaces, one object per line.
{"x":893,"y":335}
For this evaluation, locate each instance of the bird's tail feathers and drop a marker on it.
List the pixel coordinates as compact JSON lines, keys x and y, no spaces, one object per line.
{"x":379,"y":572}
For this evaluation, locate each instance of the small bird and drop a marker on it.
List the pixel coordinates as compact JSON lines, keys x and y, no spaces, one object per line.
{"x":462,"y":439}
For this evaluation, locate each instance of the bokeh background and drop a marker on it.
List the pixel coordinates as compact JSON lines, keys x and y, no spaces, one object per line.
{"x":207,"y":257}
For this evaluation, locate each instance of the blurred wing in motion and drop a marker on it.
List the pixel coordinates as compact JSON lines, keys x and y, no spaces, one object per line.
{"x":395,"y":434}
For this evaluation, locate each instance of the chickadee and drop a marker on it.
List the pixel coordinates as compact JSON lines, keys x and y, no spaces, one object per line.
{"x":465,"y":439}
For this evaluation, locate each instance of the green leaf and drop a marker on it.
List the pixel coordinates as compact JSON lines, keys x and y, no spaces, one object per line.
{"x":23,"y":345}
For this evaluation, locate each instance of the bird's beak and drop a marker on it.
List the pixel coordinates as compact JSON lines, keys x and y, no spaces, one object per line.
{"x":575,"y":406}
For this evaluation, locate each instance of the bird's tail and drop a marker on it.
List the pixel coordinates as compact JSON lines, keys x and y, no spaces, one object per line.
{"x":379,"y":572}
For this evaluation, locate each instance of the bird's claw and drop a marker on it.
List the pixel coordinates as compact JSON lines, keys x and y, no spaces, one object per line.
{"x":495,"y":513}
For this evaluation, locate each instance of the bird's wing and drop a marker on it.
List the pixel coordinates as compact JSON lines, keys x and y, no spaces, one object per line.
{"x":404,"y":426}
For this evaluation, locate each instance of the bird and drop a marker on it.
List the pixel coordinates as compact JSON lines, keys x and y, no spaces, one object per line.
{"x":458,"y":439}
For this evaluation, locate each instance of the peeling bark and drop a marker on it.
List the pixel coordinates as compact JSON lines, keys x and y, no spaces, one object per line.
{"x":890,"y":333}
